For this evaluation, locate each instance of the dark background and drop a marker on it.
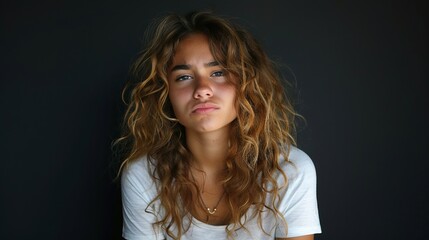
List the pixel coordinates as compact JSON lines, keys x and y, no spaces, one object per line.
{"x":361,"y":73}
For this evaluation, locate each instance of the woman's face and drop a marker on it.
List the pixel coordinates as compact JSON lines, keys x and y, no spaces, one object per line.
{"x":200,"y":93}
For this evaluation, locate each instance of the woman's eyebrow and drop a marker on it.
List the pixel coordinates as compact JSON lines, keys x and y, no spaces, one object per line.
{"x":212,"y":64}
{"x":187,"y":66}
{"x":180,"y":67}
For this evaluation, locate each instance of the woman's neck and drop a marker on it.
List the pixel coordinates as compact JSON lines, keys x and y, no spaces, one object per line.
{"x":209,"y":150}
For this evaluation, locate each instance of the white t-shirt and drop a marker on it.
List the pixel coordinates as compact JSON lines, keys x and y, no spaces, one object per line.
{"x":298,"y":204}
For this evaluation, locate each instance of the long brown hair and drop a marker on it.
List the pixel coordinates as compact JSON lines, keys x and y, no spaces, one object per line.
{"x":263,"y":130}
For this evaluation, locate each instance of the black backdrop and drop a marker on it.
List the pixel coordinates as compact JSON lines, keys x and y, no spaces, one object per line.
{"x":361,"y":72}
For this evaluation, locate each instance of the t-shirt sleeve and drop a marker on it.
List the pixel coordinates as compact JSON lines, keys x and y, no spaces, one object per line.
{"x":299,"y":201}
{"x":138,"y":190}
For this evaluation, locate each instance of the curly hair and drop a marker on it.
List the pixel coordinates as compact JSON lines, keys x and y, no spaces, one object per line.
{"x":263,"y":130}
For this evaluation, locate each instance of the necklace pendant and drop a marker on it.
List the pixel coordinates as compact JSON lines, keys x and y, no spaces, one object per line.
{"x":210,"y":211}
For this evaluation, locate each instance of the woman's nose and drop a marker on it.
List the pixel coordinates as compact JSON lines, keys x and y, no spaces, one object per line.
{"x":203,"y":88}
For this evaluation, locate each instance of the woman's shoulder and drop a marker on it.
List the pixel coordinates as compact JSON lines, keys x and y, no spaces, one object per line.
{"x":137,"y":165}
{"x":297,"y":164}
{"x":299,"y":157}
{"x":137,"y":173}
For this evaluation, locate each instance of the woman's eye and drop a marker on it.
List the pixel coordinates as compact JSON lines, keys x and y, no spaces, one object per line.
{"x":217,"y":74}
{"x":183,"y":78}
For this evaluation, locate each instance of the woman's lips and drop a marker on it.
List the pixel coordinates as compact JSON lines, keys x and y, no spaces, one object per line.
{"x":204,"y":108}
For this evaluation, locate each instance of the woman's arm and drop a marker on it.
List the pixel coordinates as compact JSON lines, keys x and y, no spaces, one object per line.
{"x":138,"y":189}
{"x":307,"y":237}
{"x":298,"y":202}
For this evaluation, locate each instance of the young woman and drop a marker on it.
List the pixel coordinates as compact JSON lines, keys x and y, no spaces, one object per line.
{"x":209,"y":132}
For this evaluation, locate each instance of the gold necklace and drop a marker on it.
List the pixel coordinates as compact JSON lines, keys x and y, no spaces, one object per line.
{"x":210,"y":212}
